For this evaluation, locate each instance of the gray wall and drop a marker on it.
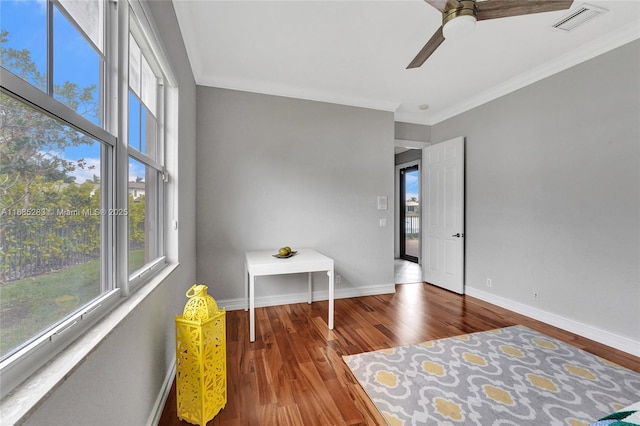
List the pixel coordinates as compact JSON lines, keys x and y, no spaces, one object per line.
{"x":553,"y":193}
{"x":408,"y":156}
{"x":275,"y":171}
{"x":412,"y":132}
{"x":119,"y":382}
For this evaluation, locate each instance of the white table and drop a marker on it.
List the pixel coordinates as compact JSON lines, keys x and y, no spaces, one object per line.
{"x":259,"y":263}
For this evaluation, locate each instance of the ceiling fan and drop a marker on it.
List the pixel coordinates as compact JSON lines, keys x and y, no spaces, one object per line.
{"x":459,"y":17}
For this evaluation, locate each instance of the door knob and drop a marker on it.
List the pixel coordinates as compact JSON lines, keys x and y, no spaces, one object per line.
{"x":458,"y":235}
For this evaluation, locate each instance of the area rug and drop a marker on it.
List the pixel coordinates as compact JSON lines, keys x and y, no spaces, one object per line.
{"x":510,"y":376}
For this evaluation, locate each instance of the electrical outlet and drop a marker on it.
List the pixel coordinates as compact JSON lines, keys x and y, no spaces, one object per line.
{"x":489,"y":283}
{"x":338,"y":279}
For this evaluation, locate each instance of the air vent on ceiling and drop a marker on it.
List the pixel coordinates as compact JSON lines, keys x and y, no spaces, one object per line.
{"x":577,"y":17}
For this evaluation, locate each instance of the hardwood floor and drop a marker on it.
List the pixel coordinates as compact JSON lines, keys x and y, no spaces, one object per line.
{"x":293,"y":374}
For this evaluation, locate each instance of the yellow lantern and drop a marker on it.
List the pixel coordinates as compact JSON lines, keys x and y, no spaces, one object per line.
{"x":201,"y":358}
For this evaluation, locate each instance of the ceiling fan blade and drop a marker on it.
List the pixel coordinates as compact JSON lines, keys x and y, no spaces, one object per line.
{"x":493,"y":9}
{"x":433,"y":43}
{"x":441,"y":5}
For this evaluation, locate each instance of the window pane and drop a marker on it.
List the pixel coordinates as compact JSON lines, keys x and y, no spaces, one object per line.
{"x":143,"y":214}
{"x":143,"y":129}
{"x":89,"y":14}
{"x":134,"y":65}
{"x":50,"y":222}
{"x":149,"y":134}
{"x":76,"y":70}
{"x":134,"y":121}
{"x":143,"y":99}
{"x":149,"y":86}
{"x":23,"y":28}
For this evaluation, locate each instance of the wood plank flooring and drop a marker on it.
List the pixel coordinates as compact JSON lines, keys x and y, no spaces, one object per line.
{"x":293,"y":374}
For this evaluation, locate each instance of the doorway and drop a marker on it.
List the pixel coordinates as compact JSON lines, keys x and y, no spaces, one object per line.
{"x":409,"y":204}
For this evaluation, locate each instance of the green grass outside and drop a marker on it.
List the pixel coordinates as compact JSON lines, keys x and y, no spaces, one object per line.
{"x":30,"y":305}
{"x":136,"y":260}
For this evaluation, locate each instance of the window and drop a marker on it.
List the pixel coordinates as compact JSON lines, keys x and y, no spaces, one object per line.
{"x":143,"y":99}
{"x":143,"y":208}
{"x":63,"y":168}
{"x":73,"y":74}
{"x":51,"y":221}
{"x":145,"y":169}
{"x":24,"y":42}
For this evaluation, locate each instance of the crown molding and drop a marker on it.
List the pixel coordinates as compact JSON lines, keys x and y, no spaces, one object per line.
{"x":411,"y":144}
{"x":598,"y":47}
{"x":288,"y":91}
{"x":188,"y":33}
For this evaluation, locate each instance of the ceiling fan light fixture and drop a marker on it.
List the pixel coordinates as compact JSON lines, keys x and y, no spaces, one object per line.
{"x":459,"y":27}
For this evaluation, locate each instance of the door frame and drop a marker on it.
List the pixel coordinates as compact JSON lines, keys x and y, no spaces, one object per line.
{"x":401,"y":198}
{"x":396,"y":215}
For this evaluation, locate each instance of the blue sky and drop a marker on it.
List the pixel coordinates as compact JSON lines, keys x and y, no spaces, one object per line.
{"x":412,"y":185}
{"x":75,"y":60}
{"x":26,"y":22}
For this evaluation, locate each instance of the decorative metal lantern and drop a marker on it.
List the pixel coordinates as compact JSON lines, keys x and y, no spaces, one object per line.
{"x":201,"y":358}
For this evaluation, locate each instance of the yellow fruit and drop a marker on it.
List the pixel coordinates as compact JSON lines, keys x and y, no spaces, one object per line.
{"x":283,"y":252}
{"x":288,"y":249}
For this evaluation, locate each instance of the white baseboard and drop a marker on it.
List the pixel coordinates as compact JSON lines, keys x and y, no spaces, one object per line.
{"x":372,"y":290}
{"x":161,"y":400}
{"x":287,"y":299}
{"x":590,"y":332}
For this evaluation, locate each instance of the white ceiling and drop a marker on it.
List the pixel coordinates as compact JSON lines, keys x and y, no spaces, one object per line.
{"x":355,"y":52}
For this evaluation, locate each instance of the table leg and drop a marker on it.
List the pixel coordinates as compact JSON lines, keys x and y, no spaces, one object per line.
{"x":331,"y":296}
{"x":252,"y":308}
{"x":246,"y":287}
{"x":310,"y":278}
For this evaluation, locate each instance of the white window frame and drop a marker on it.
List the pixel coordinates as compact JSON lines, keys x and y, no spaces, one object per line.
{"x":140,"y":29}
{"x":15,"y":368}
{"x":22,"y":365}
{"x":104,"y":104}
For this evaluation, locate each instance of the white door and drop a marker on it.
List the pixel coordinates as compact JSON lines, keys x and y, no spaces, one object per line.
{"x":443,"y":215}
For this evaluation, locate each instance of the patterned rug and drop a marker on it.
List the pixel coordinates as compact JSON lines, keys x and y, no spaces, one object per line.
{"x":510,"y":376}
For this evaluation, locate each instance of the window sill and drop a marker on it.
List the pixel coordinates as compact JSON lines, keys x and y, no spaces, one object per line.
{"x":25,"y":399}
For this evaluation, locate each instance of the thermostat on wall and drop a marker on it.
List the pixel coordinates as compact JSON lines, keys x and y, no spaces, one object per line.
{"x":382,"y":203}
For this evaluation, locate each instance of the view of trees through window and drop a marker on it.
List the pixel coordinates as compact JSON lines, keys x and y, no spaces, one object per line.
{"x":52,"y":209}
{"x":50,"y":238}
